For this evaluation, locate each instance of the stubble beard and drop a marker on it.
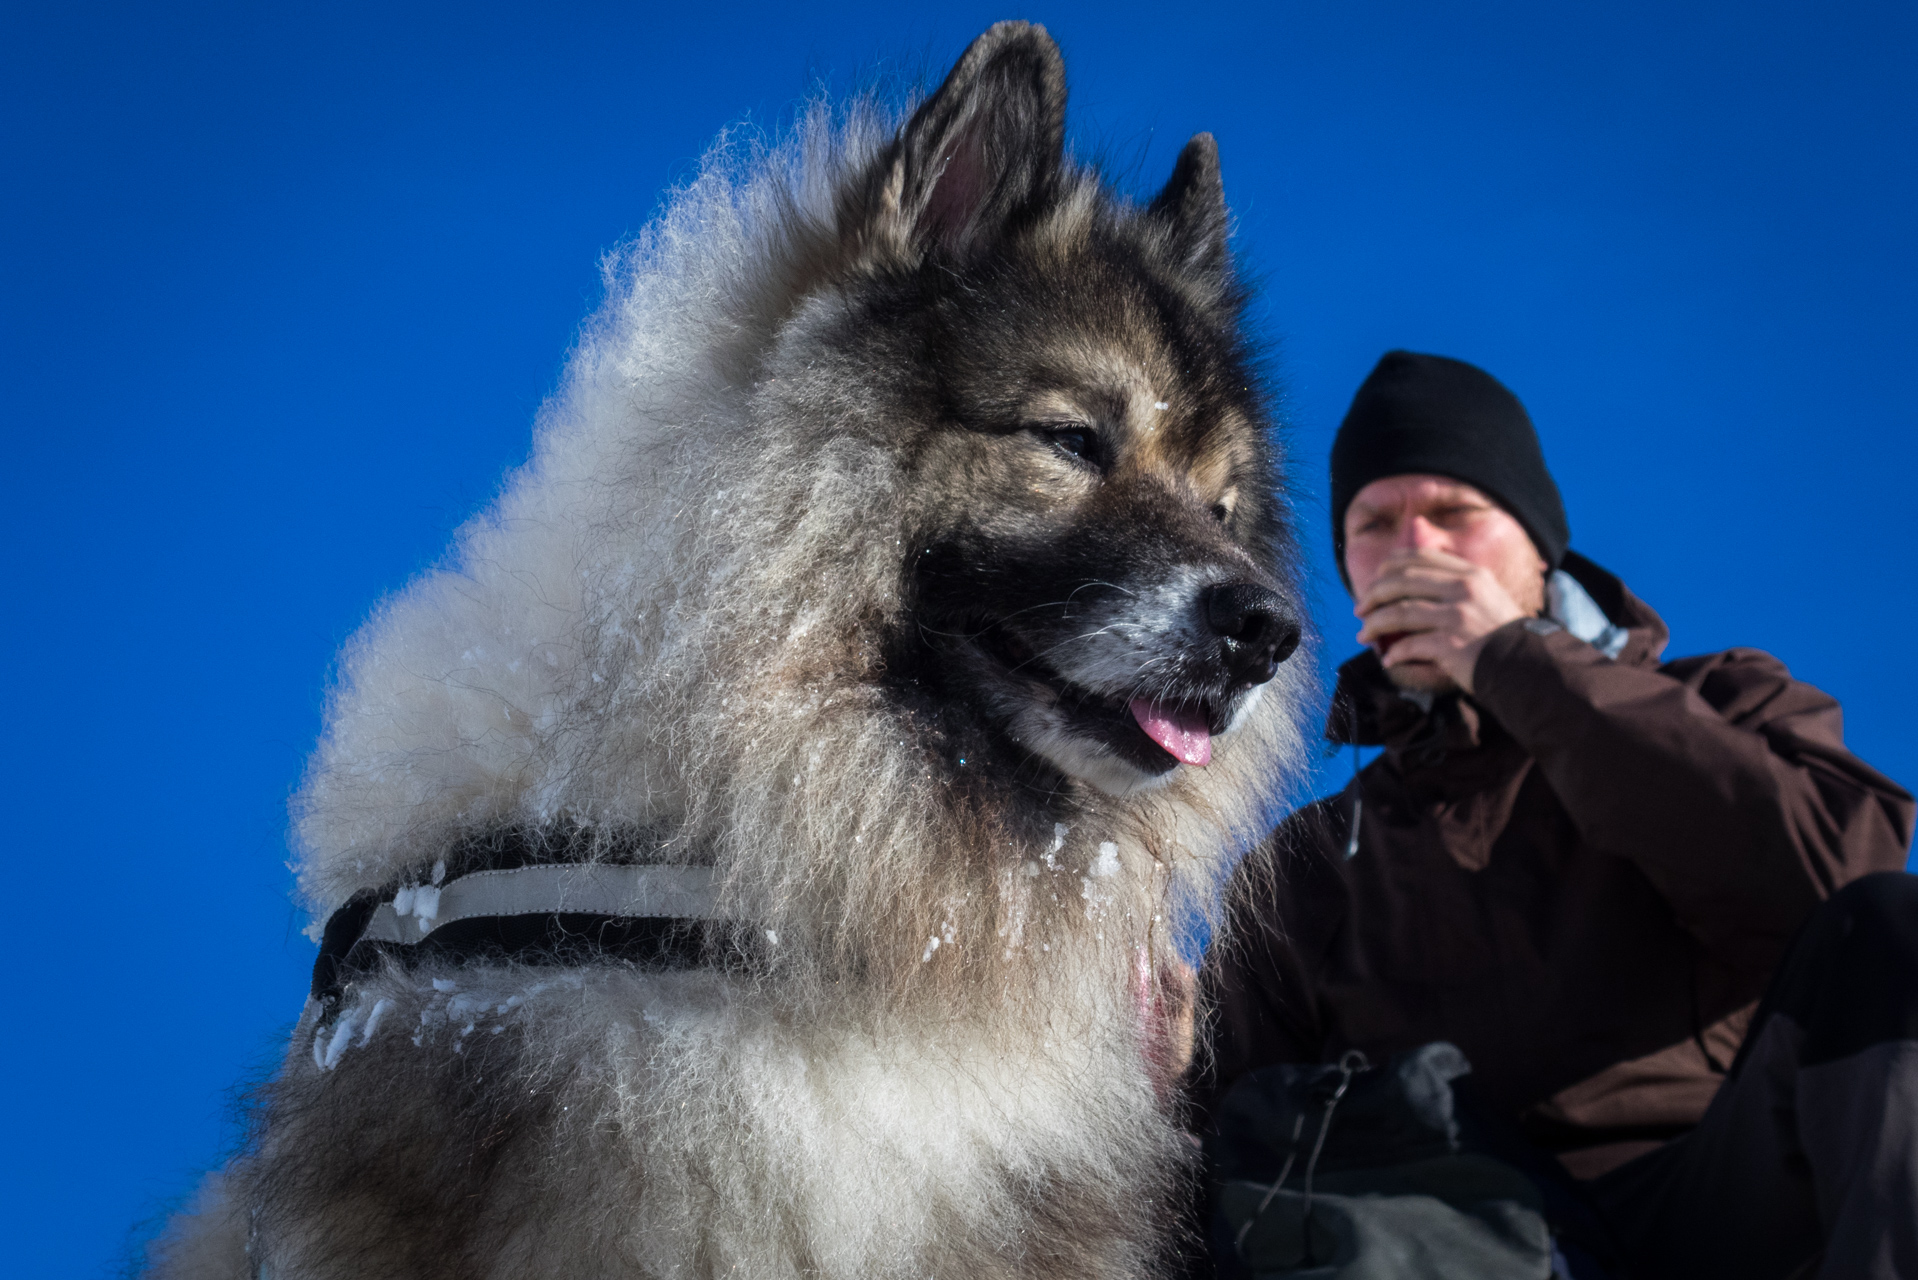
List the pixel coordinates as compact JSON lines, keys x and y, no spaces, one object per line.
{"x":1428,"y":678}
{"x":1422,"y":677}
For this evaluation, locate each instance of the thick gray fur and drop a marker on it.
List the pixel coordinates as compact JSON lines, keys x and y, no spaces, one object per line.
{"x":731,"y":612}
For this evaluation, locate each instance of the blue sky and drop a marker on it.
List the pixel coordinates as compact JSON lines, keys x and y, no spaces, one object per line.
{"x":282,"y":286}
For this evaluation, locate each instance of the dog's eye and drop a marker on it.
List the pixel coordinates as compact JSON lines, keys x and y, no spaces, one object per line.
{"x":1221,"y":512}
{"x":1079,"y":442}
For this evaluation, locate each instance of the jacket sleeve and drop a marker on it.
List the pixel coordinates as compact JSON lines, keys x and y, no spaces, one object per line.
{"x":1259,"y":982}
{"x":1723,"y":779}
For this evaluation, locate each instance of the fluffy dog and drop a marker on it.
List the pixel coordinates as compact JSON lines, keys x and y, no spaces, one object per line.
{"x":894,"y":611}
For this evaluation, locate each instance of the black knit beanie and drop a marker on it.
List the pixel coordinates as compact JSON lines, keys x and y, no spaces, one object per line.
{"x":1431,"y":415}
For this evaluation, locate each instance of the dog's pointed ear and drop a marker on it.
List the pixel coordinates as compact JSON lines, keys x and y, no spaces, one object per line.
{"x":987,"y":147}
{"x":1192,"y":206}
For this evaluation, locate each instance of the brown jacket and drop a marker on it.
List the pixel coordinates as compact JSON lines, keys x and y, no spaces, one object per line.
{"x":1583,"y":876}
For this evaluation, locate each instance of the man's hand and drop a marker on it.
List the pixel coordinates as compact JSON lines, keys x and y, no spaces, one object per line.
{"x":1427,"y":607}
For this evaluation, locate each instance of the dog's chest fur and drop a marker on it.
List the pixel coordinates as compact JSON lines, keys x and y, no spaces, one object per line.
{"x":676,"y":1124}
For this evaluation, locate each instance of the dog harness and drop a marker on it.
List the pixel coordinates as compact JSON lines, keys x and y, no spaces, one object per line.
{"x":653,"y":915}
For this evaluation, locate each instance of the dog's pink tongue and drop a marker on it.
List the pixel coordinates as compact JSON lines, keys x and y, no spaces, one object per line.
{"x":1183,"y":733}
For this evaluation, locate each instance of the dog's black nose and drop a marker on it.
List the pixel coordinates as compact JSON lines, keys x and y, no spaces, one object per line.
{"x":1258,"y":630}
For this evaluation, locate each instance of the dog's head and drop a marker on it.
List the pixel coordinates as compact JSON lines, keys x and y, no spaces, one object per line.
{"x":895,"y":459}
{"x":1093,"y":575}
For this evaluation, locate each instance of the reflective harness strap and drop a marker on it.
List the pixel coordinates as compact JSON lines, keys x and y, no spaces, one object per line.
{"x":566,"y":913}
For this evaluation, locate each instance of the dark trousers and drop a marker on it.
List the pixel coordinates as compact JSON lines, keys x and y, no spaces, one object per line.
{"x":1806,"y":1162}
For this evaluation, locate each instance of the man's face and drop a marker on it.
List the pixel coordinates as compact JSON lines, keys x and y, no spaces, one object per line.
{"x":1393,"y":521}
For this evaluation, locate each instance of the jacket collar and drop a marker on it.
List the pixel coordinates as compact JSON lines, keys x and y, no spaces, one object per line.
{"x":1368,"y":710}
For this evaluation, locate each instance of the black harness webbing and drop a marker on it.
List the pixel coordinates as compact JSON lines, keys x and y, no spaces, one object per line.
{"x":528,"y":924}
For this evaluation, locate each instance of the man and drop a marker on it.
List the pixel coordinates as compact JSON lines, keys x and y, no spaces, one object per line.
{"x":1584,"y":868}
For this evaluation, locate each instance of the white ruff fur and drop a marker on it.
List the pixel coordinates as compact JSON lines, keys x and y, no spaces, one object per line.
{"x":669,"y":621}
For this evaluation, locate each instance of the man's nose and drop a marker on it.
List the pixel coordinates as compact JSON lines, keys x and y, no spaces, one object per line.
{"x":1420,"y":534}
